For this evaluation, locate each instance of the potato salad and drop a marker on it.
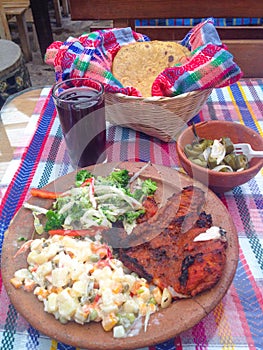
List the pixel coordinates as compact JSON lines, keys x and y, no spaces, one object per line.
{"x":79,"y":280}
{"x":72,"y":271}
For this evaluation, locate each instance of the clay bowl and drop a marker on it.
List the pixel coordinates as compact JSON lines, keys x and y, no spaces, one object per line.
{"x":220,"y":181}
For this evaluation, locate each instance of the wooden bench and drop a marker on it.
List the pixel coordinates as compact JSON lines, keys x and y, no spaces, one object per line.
{"x":244,"y":42}
{"x":4,"y":28}
{"x":18,"y":10}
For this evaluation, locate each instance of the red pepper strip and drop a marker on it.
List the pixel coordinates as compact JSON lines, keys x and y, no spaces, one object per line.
{"x":35,"y":192}
{"x":87,"y":181}
{"x":76,"y":233}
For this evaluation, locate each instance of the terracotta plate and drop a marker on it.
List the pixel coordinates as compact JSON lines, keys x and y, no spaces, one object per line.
{"x":165,"y":324}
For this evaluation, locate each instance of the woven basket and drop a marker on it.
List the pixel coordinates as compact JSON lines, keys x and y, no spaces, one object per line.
{"x":161,"y":117}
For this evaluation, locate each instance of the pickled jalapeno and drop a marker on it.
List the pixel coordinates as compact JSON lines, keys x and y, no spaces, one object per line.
{"x":216,"y":155}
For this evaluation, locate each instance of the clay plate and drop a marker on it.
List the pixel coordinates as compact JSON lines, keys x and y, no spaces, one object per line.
{"x":165,"y":324}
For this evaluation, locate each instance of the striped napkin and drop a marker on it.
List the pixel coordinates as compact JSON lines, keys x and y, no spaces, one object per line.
{"x":210,"y":64}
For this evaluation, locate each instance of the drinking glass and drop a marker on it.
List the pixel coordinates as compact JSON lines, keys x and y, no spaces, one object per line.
{"x":80,"y":103}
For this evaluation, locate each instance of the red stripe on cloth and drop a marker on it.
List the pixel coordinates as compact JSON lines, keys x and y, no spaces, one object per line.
{"x":201,"y":116}
{"x":178,"y":343}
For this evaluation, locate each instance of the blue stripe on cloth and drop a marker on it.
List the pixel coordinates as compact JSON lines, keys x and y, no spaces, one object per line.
{"x":196,"y":119}
{"x":49,"y":164}
{"x":242,"y":105}
{"x":168,"y":345}
{"x":144,"y":148}
{"x":10,"y":328}
{"x":62,"y":346}
{"x":253,"y":239}
{"x":24,"y":173}
{"x":33,"y":338}
{"x":249,"y":302}
{"x":124,"y":144}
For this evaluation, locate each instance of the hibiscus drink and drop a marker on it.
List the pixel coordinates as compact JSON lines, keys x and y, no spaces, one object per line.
{"x":81,"y":110}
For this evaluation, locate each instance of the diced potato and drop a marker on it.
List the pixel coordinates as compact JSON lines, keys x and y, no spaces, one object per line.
{"x":29,"y":285}
{"x":117,"y":287}
{"x":51,"y":251}
{"x":131,"y":306}
{"x":67,"y":306}
{"x":109,"y":308}
{"x":60,"y":277}
{"x":119,"y":332}
{"x":80,"y":316}
{"x":22,"y":274}
{"x":79,"y":288}
{"x":37,"y":244}
{"x":36,"y":258}
{"x":144,"y":293}
{"x":41,"y":293}
{"x":45,"y":268}
{"x":51,"y":305}
{"x":76,"y":269}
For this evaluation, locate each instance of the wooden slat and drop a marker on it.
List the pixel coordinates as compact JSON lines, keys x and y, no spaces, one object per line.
{"x":133,"y":9}
{"x":58,"y":14}
{"x":246,"y":55}
{"x":13,"y":3}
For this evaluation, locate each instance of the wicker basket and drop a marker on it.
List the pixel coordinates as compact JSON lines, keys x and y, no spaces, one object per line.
{"x":161,"y":117}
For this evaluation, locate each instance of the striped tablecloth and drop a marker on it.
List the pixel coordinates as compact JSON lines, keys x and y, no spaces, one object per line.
{"x":237,"y":321}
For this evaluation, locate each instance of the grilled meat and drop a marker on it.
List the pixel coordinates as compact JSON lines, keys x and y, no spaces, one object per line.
{"x":150,"y":207}
{"x":186,"y":203}
{"x":171,"y":258}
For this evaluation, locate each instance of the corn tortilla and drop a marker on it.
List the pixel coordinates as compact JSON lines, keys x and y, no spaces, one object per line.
{"x":138,"y":64}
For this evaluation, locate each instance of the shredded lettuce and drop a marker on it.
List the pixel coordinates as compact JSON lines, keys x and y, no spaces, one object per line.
{"x":115,"y":200}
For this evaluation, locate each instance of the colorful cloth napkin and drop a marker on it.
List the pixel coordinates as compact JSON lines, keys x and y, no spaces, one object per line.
{"x":210,"y":65}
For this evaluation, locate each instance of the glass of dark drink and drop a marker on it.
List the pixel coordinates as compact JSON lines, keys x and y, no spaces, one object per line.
{"x":80,"y":103}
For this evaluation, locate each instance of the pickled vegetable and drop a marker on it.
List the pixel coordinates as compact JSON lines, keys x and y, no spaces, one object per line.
{"x":217,"y":155}
{"x":241,"y":161}
{"x":228,"y":145}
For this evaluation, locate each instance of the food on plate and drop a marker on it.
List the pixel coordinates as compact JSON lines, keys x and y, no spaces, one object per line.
{"x":98,"y":201}
{"x":217,"y":155}
{"x":187,"y":257}
{"x":138,"y":64}
{"x":79,"y":279}
{"x":110,"y":255}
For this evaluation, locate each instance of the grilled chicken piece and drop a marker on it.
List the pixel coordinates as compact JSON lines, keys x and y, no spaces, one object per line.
{"x":150,"y":207}
{"x":188,"y":203}
{"x":172,"y":258}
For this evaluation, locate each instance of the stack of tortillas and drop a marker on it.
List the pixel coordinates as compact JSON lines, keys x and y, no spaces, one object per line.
{"x":138,"y":64}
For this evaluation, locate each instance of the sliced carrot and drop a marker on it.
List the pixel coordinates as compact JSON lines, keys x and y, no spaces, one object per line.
{"x":36,"y":192}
